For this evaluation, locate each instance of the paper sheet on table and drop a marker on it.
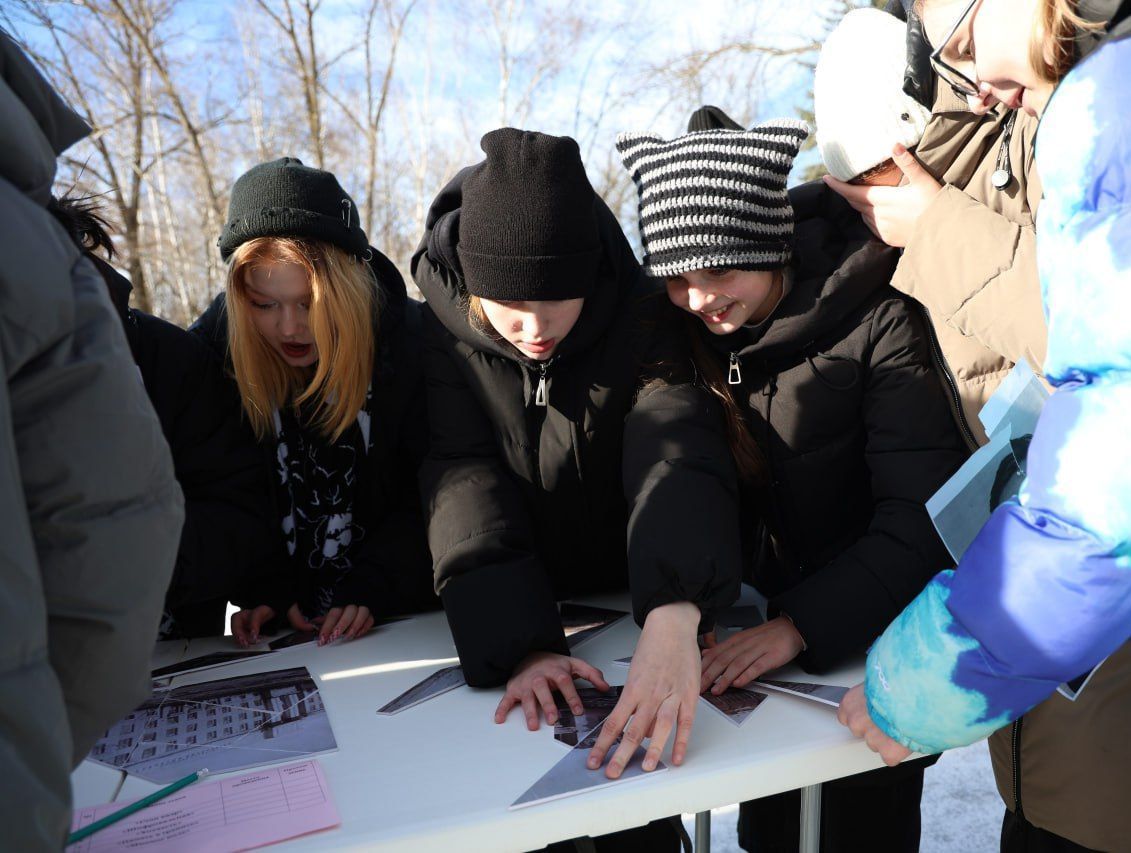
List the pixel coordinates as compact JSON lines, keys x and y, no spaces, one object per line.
{"x":826,"y":694}
{"x":572,"y":776}
{"x":249,"y":811}
{"x":992,"y":475}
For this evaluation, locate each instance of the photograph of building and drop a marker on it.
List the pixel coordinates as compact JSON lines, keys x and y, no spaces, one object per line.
{"x":224,"y":725}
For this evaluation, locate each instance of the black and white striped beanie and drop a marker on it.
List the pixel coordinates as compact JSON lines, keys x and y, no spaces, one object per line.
{"x":714,"y":199}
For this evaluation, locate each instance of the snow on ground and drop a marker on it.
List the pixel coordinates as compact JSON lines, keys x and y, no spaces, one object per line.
{"x":961,"y":808}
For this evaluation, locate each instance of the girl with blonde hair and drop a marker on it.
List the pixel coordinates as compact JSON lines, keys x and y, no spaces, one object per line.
{"x":321,"y":340}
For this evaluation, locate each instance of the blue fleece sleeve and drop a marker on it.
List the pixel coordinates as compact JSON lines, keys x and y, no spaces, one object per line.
{"x":1044,"y":592}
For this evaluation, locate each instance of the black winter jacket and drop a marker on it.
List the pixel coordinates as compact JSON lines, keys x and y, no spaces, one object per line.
{"x":842,"y":396}
{"x":228,"y":532}
{"x":527,"y":503}
{"x":390,"y":566}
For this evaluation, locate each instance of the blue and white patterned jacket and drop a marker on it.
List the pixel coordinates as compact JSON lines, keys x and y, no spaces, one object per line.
{"x":1044,"y":592}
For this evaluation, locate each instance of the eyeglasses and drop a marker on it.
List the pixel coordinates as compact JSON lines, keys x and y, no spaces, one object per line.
{"x":962,"y":85}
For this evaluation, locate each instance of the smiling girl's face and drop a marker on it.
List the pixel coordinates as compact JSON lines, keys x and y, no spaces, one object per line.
{"x":1001,"y":35}
{"x":726,"y":299}
{"x":992,"y":45}
{"x":278,"y":295}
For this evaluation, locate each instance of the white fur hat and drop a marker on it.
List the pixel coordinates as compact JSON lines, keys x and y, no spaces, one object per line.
{"x":860,"y":108}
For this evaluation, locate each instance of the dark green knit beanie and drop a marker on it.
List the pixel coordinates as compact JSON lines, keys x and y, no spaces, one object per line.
{"x":283,"y":198}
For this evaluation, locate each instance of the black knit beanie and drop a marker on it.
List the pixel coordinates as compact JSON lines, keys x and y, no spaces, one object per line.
{"x":528,"y":222}
{"x":283,"y":198}
{"x":711,"y":118}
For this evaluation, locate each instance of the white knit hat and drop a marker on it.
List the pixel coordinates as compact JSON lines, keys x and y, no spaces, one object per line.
{"x":859,"y":105}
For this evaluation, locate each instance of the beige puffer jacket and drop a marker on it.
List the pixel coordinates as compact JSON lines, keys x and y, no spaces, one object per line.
{"x":972,"y":260}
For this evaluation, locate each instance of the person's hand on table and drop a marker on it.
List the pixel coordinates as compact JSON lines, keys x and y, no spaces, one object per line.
{"x":534,"y":681}
{"x":660,"y":695}
{"x":246,"y":624}
{"x":892,"y":212}
{"x":349,"y":623}
{"x":853,"y":712}
{"x":741,"y":658}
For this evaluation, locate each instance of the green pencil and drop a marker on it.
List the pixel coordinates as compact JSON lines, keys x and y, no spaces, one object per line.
{"x":144,"y":802}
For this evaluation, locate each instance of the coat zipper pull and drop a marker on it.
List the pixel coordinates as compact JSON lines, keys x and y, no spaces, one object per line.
{"x":734,"y":372}
{"x":540,"y":391}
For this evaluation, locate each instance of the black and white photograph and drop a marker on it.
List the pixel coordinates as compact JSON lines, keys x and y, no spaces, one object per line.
{"x":437,"y":684}
{"x":208,"y":661}
{"x":295,"y":638}
{"x":582,"y":622}
{"x":230,"y":724}
{"x":736,"y":704}
{"x":571,"y":728}
{"x":571,"y":775}
{"x":826,"y":694}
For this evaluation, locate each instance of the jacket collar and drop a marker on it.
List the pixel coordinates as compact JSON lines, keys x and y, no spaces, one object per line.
{"x":837,"y":267}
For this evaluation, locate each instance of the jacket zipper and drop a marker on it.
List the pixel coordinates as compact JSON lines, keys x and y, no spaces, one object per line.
{"x":734,"y":371}
{"x":540,"y":397}
{"x":951,"y":383}
{"x":1016,"y":740}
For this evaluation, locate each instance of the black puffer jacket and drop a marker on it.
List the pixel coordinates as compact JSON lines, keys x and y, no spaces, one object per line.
{"x":843,"y":399}
{"x":390,"y":567}
{"x":229,"y":532}
{"x":526,"y":503}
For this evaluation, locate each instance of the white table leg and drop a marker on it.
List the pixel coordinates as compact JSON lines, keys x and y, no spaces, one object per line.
{"x":811,"y":819}
{"x":703,"y":832}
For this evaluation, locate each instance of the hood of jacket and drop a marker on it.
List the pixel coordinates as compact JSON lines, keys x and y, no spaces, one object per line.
{"x":436,"y":270}
{"x":212,"y":325}
{"x":1114,"y":14}
{"x":838,"y":266}
{"x":36,"y":125}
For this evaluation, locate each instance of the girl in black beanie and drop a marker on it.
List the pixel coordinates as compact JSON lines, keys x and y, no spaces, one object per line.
{"x":321,"y":340}
{"x":553,"y":472}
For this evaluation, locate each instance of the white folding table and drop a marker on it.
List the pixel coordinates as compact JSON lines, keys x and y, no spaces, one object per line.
{"x":441,"y":775}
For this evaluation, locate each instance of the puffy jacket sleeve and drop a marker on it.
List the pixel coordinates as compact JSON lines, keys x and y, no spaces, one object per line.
{"x":391,"y":570}
{"x":912,"y":448}
{"x":97,"y":480}
{"x":975,"y":269}
{"x":1043,"y":593}
{"x":497,"y":595}
{"x":679,"y":476}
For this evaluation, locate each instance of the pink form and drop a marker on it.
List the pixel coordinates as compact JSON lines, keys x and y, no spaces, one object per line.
{"x":249,"y":811}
